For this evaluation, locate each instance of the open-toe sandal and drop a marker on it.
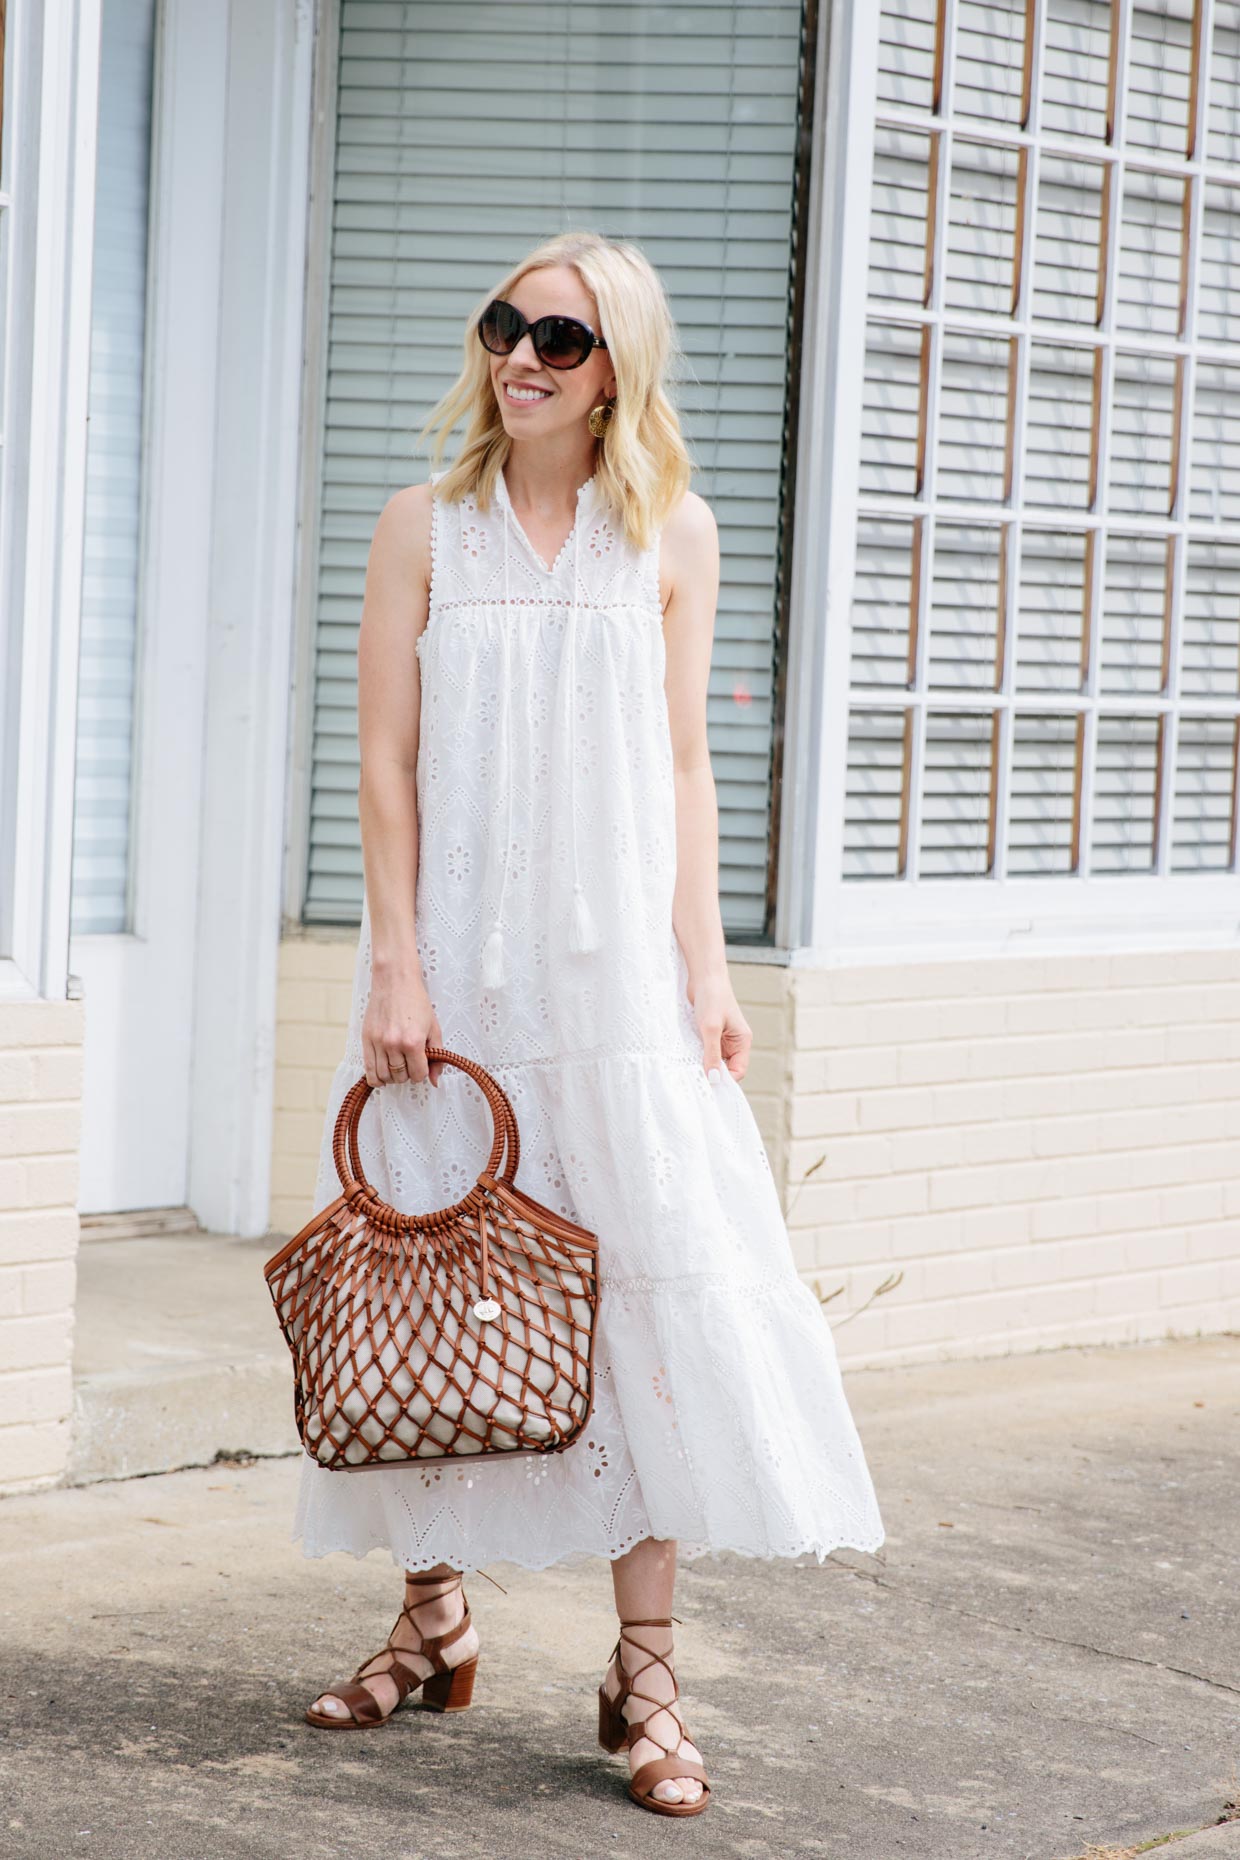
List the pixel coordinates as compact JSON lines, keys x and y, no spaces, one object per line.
{"x":615,"y":1732}
{"x":444,"y":1688}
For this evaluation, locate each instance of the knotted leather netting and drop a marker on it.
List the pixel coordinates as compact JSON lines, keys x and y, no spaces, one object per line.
{"x":466,"y":1331}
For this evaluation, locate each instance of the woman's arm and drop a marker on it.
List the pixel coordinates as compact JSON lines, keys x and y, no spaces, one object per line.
{"x":399,"y":1019}
{"x":689,"y":589}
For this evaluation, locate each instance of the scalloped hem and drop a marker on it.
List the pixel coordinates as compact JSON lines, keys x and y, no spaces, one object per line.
{"x":579,"y":1555}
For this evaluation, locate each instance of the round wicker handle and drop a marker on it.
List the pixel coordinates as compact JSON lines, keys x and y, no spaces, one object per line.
{"x":501,"y":1164}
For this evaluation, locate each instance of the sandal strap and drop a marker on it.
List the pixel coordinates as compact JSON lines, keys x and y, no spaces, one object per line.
{"x":637,"y":1727}
{"x":403,"y":1677}
{"x":432,"y":1645}
{"x":666,"y":1769}
{"x":362,"y":1705}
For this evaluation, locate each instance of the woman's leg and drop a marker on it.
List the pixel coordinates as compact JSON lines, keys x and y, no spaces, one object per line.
{"x":435,"y":1611}
{"x":644,"y":1580}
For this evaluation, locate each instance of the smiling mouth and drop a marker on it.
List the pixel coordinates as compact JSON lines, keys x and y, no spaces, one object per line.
{"x":525,"y":396}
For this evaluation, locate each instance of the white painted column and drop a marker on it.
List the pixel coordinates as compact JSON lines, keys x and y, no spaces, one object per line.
{"x":249,"y":656}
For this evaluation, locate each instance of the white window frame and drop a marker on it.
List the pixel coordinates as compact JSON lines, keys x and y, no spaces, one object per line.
{"x":313,"y":403}
{"x":823,"y":917}
{"x":53,"y":96}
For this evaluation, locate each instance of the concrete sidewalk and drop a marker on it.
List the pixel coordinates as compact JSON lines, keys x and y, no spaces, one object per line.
{"x":177,"y":1355}
{"x":1043,"y":1659}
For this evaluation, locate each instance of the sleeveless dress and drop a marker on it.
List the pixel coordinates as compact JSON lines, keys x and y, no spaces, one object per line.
{"x":543,"y":917}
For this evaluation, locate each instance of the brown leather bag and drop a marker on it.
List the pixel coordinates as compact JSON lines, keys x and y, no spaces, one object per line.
{"x":465,"y":1332}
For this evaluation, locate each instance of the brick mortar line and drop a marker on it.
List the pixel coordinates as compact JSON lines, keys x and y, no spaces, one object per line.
{"x":1017,"y":1247}
{"x":1022,"y":1291}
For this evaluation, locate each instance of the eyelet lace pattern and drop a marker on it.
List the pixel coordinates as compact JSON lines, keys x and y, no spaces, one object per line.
{"x":719,"y":1416}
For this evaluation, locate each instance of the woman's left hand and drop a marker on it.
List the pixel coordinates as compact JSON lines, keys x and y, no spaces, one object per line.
{"x":726,"y":1034}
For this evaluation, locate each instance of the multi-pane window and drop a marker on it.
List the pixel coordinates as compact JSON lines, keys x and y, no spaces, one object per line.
{"x":1045,"y":647}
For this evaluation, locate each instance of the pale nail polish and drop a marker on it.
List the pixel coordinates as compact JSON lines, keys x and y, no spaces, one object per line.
{"x":713,"y":1076}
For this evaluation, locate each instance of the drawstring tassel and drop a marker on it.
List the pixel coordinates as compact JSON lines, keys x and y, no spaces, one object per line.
{"x":494,"y":968}
{"x":582,"y":930}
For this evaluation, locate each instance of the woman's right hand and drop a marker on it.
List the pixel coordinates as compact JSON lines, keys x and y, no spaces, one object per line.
{"x":398,"y":1026}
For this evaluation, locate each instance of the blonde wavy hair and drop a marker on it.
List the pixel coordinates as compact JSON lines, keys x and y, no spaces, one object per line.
{"x":642,"y":465}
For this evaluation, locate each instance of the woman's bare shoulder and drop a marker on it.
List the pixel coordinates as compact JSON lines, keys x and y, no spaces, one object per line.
{"x":689,"y":552}
{"x":402,"y":535}
{"x":691,"y":523}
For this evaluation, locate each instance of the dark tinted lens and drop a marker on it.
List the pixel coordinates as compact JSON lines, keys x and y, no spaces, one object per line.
{"x":500,"y":327}
{"x":562,"y":342}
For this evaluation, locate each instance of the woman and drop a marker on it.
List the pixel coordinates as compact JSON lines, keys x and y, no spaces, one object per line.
{"x":540,"y":849}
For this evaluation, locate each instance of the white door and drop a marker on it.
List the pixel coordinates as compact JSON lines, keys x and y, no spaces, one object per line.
{"x":141,"y":679}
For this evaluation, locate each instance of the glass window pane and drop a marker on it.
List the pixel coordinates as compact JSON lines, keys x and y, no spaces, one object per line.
{"x":111,"y":560}
{"x":958,"y":794}
{"x":1142,"y":426}
{"x":876,"y":791}
{"x":1159,"y":74}
{"x":990,"y":59}
{"x":1125,"y":795}
{"x":906,"y":55}
{"x":884,"y":590}
{"x":981,"y":230}
{"x":1044,"y":790}
{"x":1134,"y":614}
{"x":891,"y":409}
{"x":1059,"y":435}
{"x":900,"y":216}
{"x":1216,"y":444}
{"x":1050,"y":630}
{"x":1074,"y":83}
{"x":1218,"y":304}
{"x":974,"y":400}
{"x":1223,"y":110}
{"x":1210,"y":649}
{"x":1151,"y":252}
{"x":1066,"y":248}
{"x":1205,"y":800}
{"x":964,"y":624}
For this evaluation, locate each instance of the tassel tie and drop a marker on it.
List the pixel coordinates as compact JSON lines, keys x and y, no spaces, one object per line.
{"x":582,"y":930}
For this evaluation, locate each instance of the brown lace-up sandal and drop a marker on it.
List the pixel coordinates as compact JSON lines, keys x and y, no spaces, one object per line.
{"x":615,"y":1732}
{"x":444,"y":1688}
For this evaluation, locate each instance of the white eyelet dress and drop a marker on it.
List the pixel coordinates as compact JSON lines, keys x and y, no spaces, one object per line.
{"x":543,"y":916}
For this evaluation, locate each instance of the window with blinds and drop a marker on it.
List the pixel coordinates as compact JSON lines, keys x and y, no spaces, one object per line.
{"x":1045,"y":644}
{"x":465,"y":135}
{"x":110,"y":562}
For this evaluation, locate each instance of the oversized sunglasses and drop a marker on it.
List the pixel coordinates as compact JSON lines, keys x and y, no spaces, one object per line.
{"x":559,"y":341}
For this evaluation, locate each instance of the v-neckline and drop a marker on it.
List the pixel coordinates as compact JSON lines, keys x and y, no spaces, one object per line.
{"x":502,"y":488}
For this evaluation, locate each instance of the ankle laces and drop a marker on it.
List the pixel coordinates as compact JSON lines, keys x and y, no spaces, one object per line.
{"x":639,"y":1728}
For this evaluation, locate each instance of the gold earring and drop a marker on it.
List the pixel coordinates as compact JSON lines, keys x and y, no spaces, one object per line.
{"x":600,"y":418}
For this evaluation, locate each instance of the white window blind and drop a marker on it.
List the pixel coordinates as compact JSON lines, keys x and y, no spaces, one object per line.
{"x":1046,"y":622}
{"x":101,"y":811}
{"x":463,"y":137}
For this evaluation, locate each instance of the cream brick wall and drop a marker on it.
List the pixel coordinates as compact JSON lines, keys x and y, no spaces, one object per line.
{"x":1046,"y":1149}
{"x":1026,"y":1152}
{"x":40,"y":1101}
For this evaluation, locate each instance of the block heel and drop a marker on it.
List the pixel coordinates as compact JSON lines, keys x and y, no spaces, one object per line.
{"x":453,"y":1690}
{"x":613,"y":1732}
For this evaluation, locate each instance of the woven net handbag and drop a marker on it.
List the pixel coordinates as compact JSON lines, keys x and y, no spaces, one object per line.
{"x":469,"y":1331}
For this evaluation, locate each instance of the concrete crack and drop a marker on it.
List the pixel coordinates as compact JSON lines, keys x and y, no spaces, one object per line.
{"x":1059,"y":1640}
